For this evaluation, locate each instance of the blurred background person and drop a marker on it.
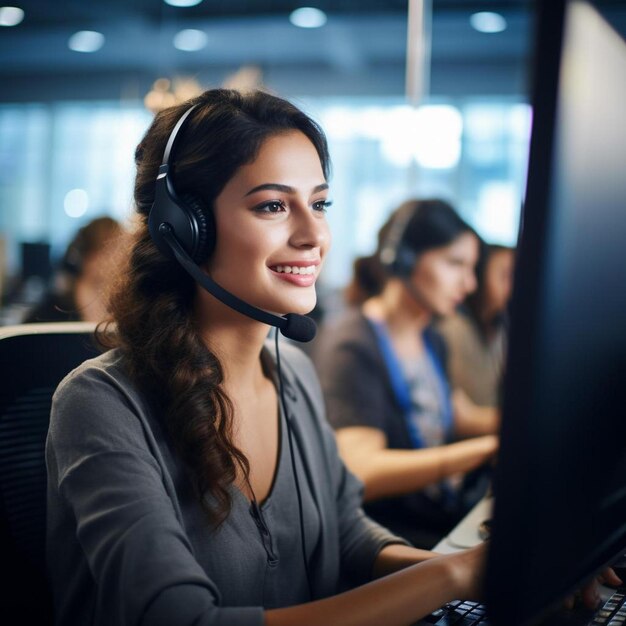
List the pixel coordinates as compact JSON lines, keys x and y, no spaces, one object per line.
{"x":383,"y":371}
{"x":476,"y":335}
{"x":79,"y":290}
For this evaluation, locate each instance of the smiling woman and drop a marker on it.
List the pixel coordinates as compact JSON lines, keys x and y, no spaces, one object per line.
{"x":181,"y":490}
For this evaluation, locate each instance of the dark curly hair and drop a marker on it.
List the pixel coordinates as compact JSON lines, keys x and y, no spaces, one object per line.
{"x":152,"y":305}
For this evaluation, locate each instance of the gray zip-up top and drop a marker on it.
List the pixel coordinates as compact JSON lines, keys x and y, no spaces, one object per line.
{"x":129,"y":544}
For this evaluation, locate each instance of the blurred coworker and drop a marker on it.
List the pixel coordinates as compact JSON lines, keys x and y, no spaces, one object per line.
{"x":477,"y":335}
{"x":81,"y":283}
{"x":383,"y":373}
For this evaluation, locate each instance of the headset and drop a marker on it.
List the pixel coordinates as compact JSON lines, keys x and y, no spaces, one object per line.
{"x":395,"y":255}
{"x":182,"y":228}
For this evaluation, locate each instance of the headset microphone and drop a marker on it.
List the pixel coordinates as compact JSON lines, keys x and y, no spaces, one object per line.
{"x":298,"y":327}
{"x":182,"y":227}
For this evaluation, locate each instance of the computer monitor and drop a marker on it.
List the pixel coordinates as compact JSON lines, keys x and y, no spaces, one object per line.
{"x":560,"y":483}
{"x":36,"y":260}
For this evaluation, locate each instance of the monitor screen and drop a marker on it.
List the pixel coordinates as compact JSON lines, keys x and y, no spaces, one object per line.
{"x":560,"y":484}
{"x":36,"y":260}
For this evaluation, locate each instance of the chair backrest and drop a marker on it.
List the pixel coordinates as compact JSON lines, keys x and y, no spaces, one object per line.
{"x":34,"y":358}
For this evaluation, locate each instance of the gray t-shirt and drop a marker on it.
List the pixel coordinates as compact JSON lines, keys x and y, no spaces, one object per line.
{"x":129,"y":544}
{"x":426,"y":401}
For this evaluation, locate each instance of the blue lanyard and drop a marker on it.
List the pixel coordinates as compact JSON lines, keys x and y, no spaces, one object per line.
{"x":401,"y":388}
{"x":442,"y":381}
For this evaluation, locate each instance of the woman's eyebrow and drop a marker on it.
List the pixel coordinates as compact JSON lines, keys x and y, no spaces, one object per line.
{"x":283,"y":188}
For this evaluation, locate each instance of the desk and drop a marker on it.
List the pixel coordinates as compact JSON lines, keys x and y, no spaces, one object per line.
{"x":465,"y":533}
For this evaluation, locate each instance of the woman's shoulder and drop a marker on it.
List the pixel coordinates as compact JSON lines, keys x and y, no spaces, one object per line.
{"x":347,"y":323}
{"x":351,"y":331}
{"x":97,"y":406}
{"x":108,"y":366}
{"x":460,"y":332}
{"x":96,"y":383}
{"x":458,"y":324}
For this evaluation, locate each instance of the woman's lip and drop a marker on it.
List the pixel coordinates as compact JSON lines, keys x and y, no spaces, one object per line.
{"x":301,"y":280}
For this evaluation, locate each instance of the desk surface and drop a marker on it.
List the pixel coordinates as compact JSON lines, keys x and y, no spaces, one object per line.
{"x":465,"y":533}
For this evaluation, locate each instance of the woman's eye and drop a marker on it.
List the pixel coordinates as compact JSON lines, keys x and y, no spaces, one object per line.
{"x":276,"y":206}
{"x":322,"y":205}
{"x":456,"y":262}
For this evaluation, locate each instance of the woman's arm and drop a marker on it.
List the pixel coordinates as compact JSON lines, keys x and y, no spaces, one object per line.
{"x":397,"y":556}
{"x":388,"y":472}
{"x":116,"y":518}
{"x":473,"y":420}
{"x":397,"y":599}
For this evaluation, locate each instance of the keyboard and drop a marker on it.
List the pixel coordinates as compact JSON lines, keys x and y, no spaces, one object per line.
{"x":458,"y":612}
{"x":466,"y":613}
{"x":613,"y":611}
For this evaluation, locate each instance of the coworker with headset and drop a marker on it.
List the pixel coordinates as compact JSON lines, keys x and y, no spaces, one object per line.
{"x":476,"y":335}
{"x":192,"y":476}
{"x":81,"y":280}
{"x":383,"y":373}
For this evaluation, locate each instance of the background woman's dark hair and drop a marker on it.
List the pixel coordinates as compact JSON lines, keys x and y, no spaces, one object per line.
{"x":432,"y":224}
{"x":89,"y":239}
{"x":152,"y":305}
{"x":474,"y":304}
{"x":59,"y":304}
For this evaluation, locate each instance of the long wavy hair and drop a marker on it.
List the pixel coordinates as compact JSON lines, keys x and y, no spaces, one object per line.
{"x":153,"y":302}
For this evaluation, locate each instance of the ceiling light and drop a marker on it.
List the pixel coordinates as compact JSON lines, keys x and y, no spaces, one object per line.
{"x":76,"y":203}
{"x":190,"y":40}
{"x":488,"y":22}
{"x":11,"y":16}
{"x":308,"y":17}
{"x":86,"y":41}
{"x":182,"y":3}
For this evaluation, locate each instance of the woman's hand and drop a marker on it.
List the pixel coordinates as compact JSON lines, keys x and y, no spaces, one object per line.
{"x":468,"y":572}
{"x":590,"y":594}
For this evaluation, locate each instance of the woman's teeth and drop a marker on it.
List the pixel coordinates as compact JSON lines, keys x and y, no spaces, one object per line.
{"x":294,"y":269}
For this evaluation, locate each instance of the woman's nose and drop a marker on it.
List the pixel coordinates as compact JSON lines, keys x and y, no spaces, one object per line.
{"x":310,"y":229}
{"x":470,"y":282}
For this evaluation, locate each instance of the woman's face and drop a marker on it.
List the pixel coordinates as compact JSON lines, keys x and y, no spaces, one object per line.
{"x":272,"y":234}
{"x":498,"y":280}
{"x":91,"y":288}
{"x":443,"y":277}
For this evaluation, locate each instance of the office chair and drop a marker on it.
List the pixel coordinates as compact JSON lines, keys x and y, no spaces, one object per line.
{"x":33,"y":360}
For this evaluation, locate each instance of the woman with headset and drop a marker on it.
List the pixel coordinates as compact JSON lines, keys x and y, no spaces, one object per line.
{"x":81,"y":282}
{"x":476,"y":335}
{"x":400,"y":429}
{"x":192,"y":476}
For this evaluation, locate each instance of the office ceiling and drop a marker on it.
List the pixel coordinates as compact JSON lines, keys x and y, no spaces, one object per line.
{"x":361,"y":50}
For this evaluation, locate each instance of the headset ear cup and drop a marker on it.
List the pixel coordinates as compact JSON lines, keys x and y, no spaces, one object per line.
{"x":405,"y":262}
{"x":206,"y":228}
